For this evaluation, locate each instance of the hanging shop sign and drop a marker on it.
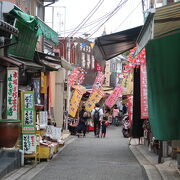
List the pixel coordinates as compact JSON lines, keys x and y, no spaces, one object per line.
{"x":111,"y":100}
{"x":144,"y":95}
{"x":12,"y":93}
{"x":29,"y":143}
{"x":93,"y":99}
{"x":28,"y":112}
{"x":75,"y":101}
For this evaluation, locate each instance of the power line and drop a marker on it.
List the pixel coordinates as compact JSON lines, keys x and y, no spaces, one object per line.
{"x":127,"y":16}
{"x":119,"y":6}
{"x":87,"y":17}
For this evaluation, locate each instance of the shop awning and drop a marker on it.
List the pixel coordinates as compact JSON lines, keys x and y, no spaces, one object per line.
{"x":8,"y":61}
{"x":26,"y":65}
{"x":109,"y":46}
{"x":7,"y":28}
{"x":35,"y":23}
{"x":160,"y":22}
{"x":53,"y":61}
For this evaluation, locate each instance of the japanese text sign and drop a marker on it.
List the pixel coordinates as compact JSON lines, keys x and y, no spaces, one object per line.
{"x":93,"y":99}
{"x":111,"y":100}
{"x":29,"y":143}
{"x":28,"y":112}
{"x":98,"y":81}
{"x":74,"y":103}
{"x":12,"y":93}
{"x":143,"y":86}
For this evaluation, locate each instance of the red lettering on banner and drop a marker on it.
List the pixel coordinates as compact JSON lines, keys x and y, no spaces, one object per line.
{"x":143,"y":86}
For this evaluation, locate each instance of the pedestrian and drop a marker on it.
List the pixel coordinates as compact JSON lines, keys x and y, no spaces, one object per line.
{"x":124,"y":109}
{"x":96,"y":115}
{"x":115,"y":115}
{"x":83,"y":116}
{"x":103,"y":127}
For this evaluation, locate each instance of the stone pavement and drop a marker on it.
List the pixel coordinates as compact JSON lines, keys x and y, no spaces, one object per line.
{"x":149,"y":160}
{"x":118,"y":161}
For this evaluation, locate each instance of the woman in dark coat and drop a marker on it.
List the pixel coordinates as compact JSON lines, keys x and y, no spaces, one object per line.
{"x":83,"y":116}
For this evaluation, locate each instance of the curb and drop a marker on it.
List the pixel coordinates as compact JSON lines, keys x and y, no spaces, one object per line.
{"x":152,"y":168}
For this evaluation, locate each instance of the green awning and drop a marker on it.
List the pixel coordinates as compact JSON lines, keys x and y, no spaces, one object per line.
{"x":163,"y":62}
{"x":35,"y":24}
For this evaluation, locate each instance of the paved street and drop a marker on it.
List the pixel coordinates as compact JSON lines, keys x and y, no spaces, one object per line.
{"x":93,"y":158}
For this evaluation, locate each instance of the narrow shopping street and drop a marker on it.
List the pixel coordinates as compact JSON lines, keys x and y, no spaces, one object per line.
{"x":93,"y":158}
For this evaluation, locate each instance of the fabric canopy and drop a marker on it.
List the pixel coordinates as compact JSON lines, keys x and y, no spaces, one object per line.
{"x":160,"y":22}
{"x":35,"y":24}
{"x":109,"y":46}
{"x":163,"y":62}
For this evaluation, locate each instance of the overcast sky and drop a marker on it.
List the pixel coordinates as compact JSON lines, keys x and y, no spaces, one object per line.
{"x":68,"y":14}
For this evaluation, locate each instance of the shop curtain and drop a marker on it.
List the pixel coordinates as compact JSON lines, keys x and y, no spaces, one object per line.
{"x":163,"y":72}
{"x":137,"y":122}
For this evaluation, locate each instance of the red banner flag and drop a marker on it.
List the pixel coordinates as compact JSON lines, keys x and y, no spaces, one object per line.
{"x":111,"y":100}
{"x":144,"y":97}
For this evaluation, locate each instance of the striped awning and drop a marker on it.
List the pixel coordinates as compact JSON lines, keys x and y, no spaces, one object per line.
{"x":160,"y":22}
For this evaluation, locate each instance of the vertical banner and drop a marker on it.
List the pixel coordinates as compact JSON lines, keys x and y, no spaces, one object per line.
{"x":98,"y":66}
{"x":143,"y":86}
{"x":73,"y":76}
{"x":29,"y":143}
{"x":43,"y":119}
{"x":111,"y":100}
{"x":130,"y":109}
{"x":98,"y":81}
{"x":93,"y":99}
{"x":12,"y":93}
{"x":37,"y":88}
{"x":75,"y":101}
{"x":28,"y":112}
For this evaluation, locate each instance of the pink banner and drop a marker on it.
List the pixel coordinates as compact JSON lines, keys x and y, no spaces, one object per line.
{"x":98,"y":81}
{"x":144,"y":97}
{"x":111,"y":100}
{"x":130,"y":109}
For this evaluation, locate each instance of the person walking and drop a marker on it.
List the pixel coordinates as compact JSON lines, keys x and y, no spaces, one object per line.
{"x":83,"y":116}
{"x":103,"y":127}
{"x":115,"y":115}
{"x":96,"y":115}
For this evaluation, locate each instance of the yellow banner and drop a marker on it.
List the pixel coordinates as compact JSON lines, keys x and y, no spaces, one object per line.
{"x":93,"y":99}
{"x":75,"y":101}
{"x":127,"y":84}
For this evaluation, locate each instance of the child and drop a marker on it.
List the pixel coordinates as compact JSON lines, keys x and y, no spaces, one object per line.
{"x":103,"y":127}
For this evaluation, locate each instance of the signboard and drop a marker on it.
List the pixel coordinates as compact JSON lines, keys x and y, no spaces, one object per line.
{"x":43,"y":118}
{"x":98,"y":81}
{"x":144,"y":97}
{"x":98,"y":66}
{"x":28,"y":112}
{"x":29,"y":143}
{"x":75,"y":101}
{"x":12,"y":93}
{"x":111,"y":100}
{"x":37,"y":88}
{"x":93,"y":99}
{"x":130,"y":109}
